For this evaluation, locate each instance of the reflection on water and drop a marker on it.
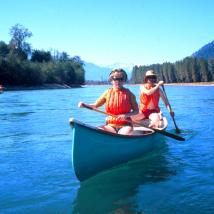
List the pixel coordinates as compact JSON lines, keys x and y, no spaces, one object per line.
{"x":114,"y":191}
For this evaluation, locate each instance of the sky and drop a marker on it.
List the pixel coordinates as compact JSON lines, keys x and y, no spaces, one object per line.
{"x":104,"y":32}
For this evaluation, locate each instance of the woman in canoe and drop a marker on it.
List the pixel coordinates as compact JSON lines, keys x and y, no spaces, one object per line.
{"x":150,"y":93}
{"x":118,"y":101}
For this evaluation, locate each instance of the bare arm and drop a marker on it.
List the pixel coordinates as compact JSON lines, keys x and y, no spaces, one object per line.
{"x":151,"y":90}
{"x":100,"y":101}
{"x":165,"y":100}
{"x":82,"y":104}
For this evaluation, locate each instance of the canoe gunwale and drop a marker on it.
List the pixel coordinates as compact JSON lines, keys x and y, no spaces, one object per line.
{"x":73,"y":121}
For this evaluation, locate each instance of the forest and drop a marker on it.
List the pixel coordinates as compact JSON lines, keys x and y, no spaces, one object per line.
{"x":22,"y":66}
{"x":188,"y":70}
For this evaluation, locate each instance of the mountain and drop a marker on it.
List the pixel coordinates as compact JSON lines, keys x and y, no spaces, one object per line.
{"x":96,"y":72}
{"x":127,"y":67}
{"x":101,"y":72}
{"x":207,"y":51}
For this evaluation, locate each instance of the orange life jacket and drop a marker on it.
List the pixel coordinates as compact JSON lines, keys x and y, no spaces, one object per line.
{"x":145,"y":99}
{"x":118,"y":102}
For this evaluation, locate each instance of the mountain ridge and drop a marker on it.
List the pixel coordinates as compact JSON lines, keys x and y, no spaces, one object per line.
{"x":206,"y":51}
{"x":101,"y":73}
{"x":94,"y":72}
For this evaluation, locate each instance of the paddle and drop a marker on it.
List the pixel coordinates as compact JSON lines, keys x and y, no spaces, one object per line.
{"x":168,"y":134}
{"x":170,"y":109}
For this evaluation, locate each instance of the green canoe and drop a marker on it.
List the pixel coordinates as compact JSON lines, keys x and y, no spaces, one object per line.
{"x":95,"y":150}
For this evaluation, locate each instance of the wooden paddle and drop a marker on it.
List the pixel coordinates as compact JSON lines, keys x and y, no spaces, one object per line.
{"x":170,"y":109}
{"x":168,"y":134}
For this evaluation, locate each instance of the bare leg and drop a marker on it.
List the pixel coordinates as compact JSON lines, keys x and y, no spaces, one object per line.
{"x":155,"y":120}
{"x":108,"y":128}
{"x":138,"y":117}
{"x":126,"y":130}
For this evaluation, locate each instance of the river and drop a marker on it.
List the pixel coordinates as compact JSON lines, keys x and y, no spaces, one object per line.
{"x":36,"y":174}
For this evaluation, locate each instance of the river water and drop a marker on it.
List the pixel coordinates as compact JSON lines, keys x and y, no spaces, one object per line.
{"x":36,"y":174}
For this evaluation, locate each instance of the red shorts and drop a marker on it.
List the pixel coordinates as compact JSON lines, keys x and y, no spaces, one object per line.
{"x":148,"y":112}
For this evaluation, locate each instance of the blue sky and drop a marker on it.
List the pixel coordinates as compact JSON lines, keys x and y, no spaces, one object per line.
{"x":104,"y":32}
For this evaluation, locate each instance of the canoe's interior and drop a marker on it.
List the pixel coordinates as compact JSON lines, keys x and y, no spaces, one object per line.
{"x":142,"y":130}
{"x":138,"y":130}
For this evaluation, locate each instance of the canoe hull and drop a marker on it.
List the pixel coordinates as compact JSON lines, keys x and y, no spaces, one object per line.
{"x":95,"y":150}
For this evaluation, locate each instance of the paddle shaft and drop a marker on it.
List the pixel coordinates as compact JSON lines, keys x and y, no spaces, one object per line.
{"x":170,"y":108}
{"x":168,"y":134}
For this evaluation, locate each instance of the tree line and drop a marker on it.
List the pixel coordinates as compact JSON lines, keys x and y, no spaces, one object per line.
{"x":190,"y":69}
{"x":22,"y":66}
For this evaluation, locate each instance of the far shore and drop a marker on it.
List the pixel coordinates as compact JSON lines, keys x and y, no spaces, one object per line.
{"x":188,"y":84}
{"x":64,"y":86}
{"x":192,"y":84}
{"x":40,"y":87}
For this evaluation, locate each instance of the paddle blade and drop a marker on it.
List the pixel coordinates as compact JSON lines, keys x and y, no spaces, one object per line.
{"x":168,"y":134}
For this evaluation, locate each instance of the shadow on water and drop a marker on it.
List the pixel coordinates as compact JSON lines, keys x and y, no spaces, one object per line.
{"x":113,"y":191}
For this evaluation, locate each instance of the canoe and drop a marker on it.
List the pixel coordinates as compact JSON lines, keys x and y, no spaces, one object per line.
{"x":95,"y":150}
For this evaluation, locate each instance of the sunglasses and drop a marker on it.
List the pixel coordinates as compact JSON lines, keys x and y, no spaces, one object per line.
{"x":120,"y":79}
{"x":151,"y":77}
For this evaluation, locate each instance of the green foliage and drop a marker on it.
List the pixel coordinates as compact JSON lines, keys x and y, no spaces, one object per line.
{"x":210,"y":67}
{"x":41,"y":56}
{"x":189,"y":69}
{"x":18,"y":43}
{"x":16,"y":69}
{"x":4,"y":49}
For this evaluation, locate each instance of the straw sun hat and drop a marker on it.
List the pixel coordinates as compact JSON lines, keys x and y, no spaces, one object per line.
{"x":150,"y":73}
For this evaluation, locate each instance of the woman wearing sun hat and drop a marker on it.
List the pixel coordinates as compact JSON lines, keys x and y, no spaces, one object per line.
{"x":150,"y":93}
{"x":118,"y":101}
